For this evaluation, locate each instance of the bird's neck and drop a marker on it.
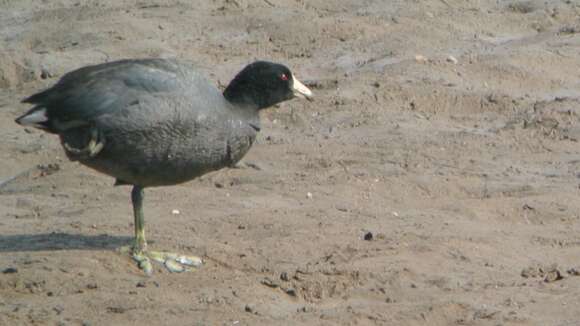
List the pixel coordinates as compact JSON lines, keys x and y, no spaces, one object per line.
{"x":241,"y":93}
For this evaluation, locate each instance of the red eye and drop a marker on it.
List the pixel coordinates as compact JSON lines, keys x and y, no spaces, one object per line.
{"x":284,"y":77}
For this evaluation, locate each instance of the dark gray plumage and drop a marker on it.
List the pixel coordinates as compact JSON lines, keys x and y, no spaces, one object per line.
{"x":155,"y":122}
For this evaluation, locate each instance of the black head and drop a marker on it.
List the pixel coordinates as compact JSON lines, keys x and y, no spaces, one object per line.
{"x":263,"y":84}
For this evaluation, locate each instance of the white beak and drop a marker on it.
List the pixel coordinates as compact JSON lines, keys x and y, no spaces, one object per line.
{"x":300,"y":90}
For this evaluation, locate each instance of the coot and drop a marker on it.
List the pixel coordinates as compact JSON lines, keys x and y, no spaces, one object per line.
{"x":158,"y":122}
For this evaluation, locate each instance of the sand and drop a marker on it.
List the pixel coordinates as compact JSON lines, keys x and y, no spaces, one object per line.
{"x":433,"y":181}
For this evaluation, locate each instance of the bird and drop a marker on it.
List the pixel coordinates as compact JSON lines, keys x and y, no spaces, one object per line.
{"x":158,"y":122}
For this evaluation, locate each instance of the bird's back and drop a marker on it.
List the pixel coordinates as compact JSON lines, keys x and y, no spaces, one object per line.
{"x":110,"y":87}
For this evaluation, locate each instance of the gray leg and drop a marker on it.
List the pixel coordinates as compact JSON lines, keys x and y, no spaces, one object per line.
{"x":139,"y":243}
{"x":137,"y":195}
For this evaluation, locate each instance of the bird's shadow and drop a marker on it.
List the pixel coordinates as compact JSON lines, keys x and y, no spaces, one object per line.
{"x":60,"y":241}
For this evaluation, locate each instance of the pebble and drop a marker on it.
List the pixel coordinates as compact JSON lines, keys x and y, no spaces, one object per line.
{"x":421,"y":58}
{"x":309,"y":195}
{"x":452,"y":59}
{"x":284,"y":277}
{"x":175,"y":212}
{"x":547,"y":273}
{"x":10,"y":270}
{"x":305,"y":309}
{"x":553,"y":276}
{"x":45,"y":74}
{"x":141,"y":284}
{"x":342,"y":208}
{"x":574,"y":271}
{"x":250,"y":309}
{"x":368,"y":236}
{"x":269,"y":282}
{"x":530,"y":272}
{"x":58,"y":309}
{"x":116,"y":310}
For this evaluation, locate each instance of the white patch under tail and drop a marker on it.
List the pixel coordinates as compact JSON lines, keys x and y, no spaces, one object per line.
{"x":34,"y":118}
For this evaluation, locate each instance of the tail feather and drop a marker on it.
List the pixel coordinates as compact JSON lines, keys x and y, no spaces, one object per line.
{"x":36,"y":117}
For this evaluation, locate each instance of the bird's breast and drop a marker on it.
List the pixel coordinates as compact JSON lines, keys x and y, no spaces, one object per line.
{"x":172,"y":153}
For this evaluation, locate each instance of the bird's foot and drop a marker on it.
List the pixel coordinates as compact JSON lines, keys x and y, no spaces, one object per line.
{"x":175,"y":263}
{"x":94,"y":147}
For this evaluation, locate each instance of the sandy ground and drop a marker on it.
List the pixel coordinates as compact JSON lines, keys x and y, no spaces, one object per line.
{"x":434,"y":181}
